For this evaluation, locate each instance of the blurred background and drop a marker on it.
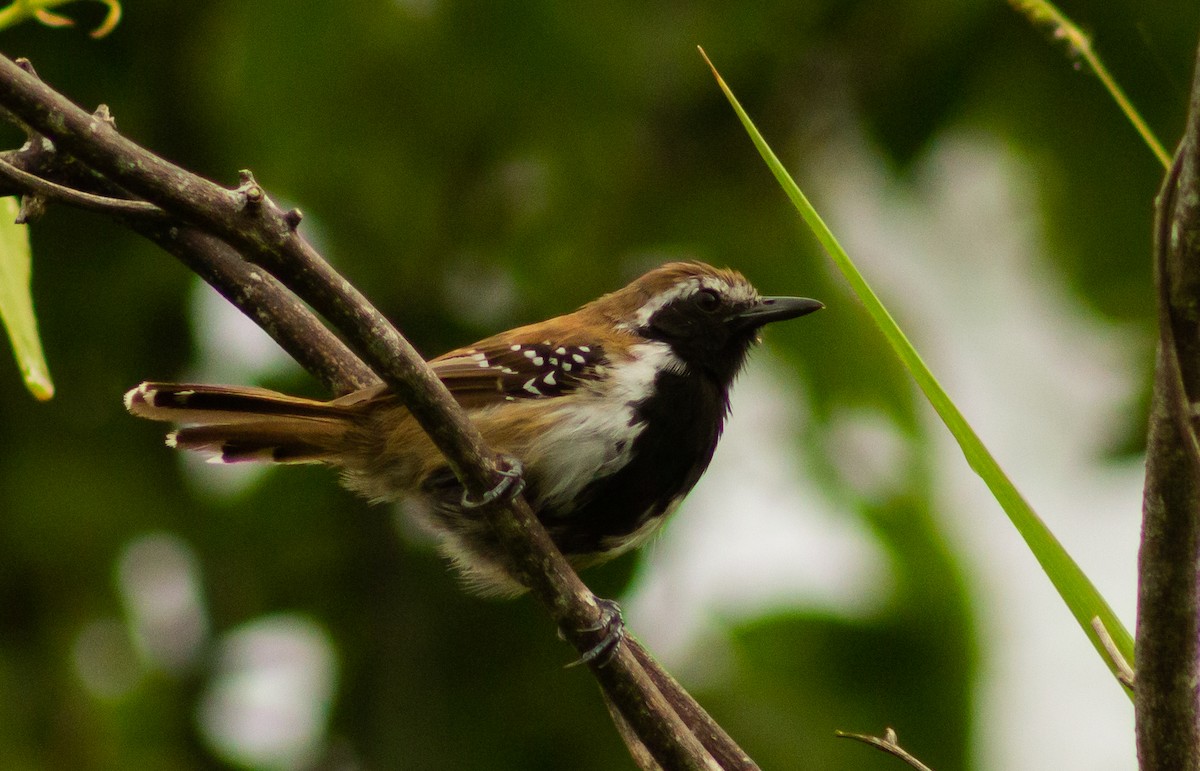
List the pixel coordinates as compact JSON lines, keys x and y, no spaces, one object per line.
{"x":473,"y":166}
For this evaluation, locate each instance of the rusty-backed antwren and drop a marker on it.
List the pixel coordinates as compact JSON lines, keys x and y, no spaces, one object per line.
{"x":613,"y":412}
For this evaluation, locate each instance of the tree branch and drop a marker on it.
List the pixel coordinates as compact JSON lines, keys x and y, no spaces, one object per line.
{"x":714,"y":738}
{"x":63,"y":194}
{"x":1168,"y":630}
{"x":258,"y":295}
{"x":208,"y":227}
{"x":268,"y":303}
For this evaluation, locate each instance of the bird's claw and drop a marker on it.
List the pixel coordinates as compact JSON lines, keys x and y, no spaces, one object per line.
{"x":611,"y":631}
{"x":512,"y":482}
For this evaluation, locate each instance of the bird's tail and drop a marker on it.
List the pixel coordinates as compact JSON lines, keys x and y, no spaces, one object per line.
{"x":232,"y":424}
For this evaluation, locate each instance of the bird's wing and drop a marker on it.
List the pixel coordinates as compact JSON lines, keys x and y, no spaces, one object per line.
{"x":510,"y":369}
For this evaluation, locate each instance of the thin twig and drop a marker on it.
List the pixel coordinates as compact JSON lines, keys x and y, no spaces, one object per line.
{"x":1125,"y":671}
{"x":889,"y":743}
{"x":63,"y":194}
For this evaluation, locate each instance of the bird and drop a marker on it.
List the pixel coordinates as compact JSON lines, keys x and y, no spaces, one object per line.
{"x":612,"y":412}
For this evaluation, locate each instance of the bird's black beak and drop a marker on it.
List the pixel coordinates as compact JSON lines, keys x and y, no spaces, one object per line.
{"x":769,"y":309}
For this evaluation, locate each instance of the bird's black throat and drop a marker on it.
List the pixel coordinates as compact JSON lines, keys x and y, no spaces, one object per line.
{"x":682,"y":421}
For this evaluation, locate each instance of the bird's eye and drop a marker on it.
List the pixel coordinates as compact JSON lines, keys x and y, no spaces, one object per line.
{"x":708,"y":300}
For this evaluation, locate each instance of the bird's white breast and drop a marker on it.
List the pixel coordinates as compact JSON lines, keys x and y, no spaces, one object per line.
{"x":592,"y":434}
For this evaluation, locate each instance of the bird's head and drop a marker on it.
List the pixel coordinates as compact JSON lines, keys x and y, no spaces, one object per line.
{"x":709,"y":316}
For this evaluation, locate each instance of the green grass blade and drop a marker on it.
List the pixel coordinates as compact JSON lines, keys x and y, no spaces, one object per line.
{"x":1045,"y":13}
{"x":16,"y":304}
{"x":1080,"y":595}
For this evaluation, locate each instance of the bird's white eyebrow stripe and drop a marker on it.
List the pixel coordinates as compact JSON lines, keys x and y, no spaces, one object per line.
{"x":738,"y":291}
{"x":662,"y":300}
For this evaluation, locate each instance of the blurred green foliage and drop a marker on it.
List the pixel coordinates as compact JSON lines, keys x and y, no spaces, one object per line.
{"x":560,"y":148}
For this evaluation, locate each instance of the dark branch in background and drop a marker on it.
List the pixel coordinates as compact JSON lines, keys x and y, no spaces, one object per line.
{"x":230,"y":237}
{"x":264,"y":299}
{"x":1168,"y":632}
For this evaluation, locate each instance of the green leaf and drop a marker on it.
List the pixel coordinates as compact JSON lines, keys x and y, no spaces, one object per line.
{"x":1077,"y":591}
{"x":16,"y":303}
{"x":21,"y":10}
